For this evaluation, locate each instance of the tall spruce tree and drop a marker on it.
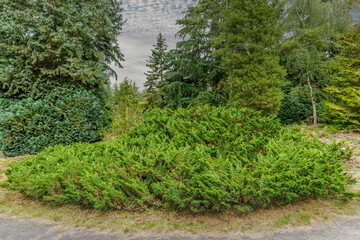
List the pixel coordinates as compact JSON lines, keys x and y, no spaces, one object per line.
{"x":201,"y":69}
{"x":344,"y":110}
{"x":247,"y":44}
{"x":194,"y":76}
{"x":156,"y":75}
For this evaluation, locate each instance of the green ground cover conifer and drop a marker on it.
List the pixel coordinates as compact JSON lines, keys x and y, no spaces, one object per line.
{"x":202,"y":159}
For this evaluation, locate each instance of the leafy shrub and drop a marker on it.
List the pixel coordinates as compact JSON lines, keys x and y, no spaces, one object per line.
{"x":29,"y":126}
{"x":197,"y":158}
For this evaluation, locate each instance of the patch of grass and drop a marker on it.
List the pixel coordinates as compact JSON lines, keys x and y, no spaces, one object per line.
{"x":319,"y":130}
{"x":164,"y":221}
{"x":304,"y":219}
{"x":283,"y":220}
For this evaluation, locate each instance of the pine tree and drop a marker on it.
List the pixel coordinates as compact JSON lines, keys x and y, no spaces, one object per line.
{"x":344,"y":110}
{"x":247,"y":47}
{"x":156,"y":76}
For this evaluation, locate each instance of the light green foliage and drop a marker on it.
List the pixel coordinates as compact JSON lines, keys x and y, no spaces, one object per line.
{"x":156,"y":75}
{"x":46,"y":44}
{"x":29,"y":126}
{"x":126,"y":108}
{"x":246,"y":45}
{"x":344,"y":110}
{"x":311,"y":26}
{"x":304,"y":57}
{"x":197,"y":158}
{"x":194,"y":76}
{"x":332,"y":16}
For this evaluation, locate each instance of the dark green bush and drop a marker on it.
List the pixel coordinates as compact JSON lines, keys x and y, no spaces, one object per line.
{"x":29,"y":126}
{"x":296,"y":105}
{"x":294,"y":110}
{"x":198,"y":159}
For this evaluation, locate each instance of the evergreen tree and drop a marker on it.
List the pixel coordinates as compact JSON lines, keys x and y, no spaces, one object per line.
{"x":194,"y":76}
{"x":54,"y":68}
{"x":247,"y":47}
{"x":47,"y":45}
{"x":156,"y":76}
{"x":344,"y":110}
{"x":126,"y":107}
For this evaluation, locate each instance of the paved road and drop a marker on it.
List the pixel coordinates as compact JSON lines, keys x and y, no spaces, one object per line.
{"x":12,"y":229}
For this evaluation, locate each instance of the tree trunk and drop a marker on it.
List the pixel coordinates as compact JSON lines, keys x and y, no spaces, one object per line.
{"x":312,"y":100}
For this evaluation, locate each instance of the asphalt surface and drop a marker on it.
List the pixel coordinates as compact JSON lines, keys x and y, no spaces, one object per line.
{"x":13,"y":229}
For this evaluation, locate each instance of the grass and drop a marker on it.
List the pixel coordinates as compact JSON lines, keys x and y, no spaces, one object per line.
{"x":319,"y":130}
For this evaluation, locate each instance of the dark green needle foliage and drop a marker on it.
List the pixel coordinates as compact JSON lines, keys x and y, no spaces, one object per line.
{"x":48,"y":43}
{"x":29,"y":126}
{"x":48,"y":49}
{"x":201,"y":159}
{"x":156,"y":75}
{"x":194,"y":76}
{"x":247,"y":45}
{"x":295,"y":106}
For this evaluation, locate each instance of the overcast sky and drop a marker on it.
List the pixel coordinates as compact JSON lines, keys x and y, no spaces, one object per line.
{"x":145,"y":19}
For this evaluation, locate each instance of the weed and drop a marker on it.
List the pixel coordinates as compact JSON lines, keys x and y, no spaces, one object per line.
{"x":283,"y":220}
{"x":304,"y":218}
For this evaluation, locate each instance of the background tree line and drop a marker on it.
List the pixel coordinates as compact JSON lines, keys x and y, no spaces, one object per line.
{"x":272,"y":56}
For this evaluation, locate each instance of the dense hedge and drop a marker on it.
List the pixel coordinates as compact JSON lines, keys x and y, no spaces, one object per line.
{"x":198,"y":159}
{"x":29,"y":126}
